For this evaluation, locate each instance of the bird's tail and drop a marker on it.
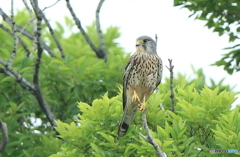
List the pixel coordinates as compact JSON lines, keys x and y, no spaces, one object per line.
{"x":127,"y":118}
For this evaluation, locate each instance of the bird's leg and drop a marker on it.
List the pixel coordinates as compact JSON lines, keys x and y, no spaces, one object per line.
{"x":135,"y":97}
{"x":142,"y":105}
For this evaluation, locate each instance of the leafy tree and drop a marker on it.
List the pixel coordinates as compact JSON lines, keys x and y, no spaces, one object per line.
{"x":79,"y":76}
{"x":42,"y":80}
{"x":222,"y":17}
{"x":203,"y":120}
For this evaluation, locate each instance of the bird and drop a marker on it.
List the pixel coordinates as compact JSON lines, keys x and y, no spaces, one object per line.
{"x":141,"y":77}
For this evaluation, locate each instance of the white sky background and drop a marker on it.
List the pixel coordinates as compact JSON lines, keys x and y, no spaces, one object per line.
{"x":180,"y":38}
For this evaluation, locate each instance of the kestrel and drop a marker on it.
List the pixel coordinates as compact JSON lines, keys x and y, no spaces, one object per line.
{"x":142,"y":75}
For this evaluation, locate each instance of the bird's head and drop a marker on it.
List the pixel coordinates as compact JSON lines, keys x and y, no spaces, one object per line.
{"x":146,"y":44}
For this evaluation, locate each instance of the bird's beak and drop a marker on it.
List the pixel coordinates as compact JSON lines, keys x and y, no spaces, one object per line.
{"x":139,"y":42}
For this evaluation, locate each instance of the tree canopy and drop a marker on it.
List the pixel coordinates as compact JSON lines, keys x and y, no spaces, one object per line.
{"x":222,"y":17}
{"x":61,"y":96}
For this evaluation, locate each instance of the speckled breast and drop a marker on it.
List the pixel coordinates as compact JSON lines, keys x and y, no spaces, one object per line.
{"x":145,"y":70}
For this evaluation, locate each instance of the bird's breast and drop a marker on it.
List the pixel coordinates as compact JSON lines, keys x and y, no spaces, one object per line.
{"x":144,"y":70}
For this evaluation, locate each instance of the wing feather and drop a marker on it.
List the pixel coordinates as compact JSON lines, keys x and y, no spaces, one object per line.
{"x":160,"y":71}
{"x":126,"y":76}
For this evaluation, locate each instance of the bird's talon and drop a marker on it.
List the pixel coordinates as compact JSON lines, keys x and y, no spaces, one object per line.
{"x":141,"y":106}
{"x":135,"y":97}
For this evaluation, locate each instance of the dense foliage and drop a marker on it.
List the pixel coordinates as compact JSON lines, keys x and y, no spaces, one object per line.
{"x":203,"y":120}
{"x":81,"y":76}
{"x":88,"y":128}
{"x":222,"y":17}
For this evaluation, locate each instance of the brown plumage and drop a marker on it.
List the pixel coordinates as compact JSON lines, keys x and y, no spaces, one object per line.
{"x":142,"y":75}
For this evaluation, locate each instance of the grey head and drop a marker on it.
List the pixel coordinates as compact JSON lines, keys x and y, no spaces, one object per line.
{"x":146,"y":44}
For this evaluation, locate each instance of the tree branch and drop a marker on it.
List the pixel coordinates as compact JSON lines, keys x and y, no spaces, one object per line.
{"x":170,"y":68}
{"x":99,"y":52}
{"x":38,"y":94}
{"x":53,"y":35}
{"x":48,"y":25}
{"x":33,"y":89}
{"x":162,"y":108}
{"x":51,"y":5}
{"x":149,"y":137}
{"x":32,"y":18}
{"x":15,"y":38}
{"x":100,"y":35}
{"x":24,"y":32}
{"x":51,"y":30}
{"x":10,"y":72}
{"x":28,"y":8}
{"x":36,"y":9}
{"x":3,"y":127}
{"x":19,"y":39}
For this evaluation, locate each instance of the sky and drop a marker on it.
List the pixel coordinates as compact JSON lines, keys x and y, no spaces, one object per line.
{"x":184,"y":40}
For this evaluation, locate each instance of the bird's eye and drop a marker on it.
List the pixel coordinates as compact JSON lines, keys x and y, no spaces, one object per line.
{"x":145,"y":40}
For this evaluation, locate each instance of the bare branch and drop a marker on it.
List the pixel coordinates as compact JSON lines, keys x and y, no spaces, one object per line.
{"x":47,"y":23}
{"x":99,"y":52}
{"x":10,"y":72}
{"x":24,"y":32}
{"x":51,"y":5}
{"x":170,"y":68}
{"x":32,"y":22}
{"x":145,"y":138}
{"x":38,"y":94}
{"x":100,"y":35}
{"x":162,"y":108}
{"x":46,"y":109}
{"x":33,"y":89}
{"x":149,"y":137}
{"x":53,"y":35}
{"x":32,"y":18}
{"x":3,"y":127}
{"x":36,"y":9}
{"x":15,"y":38}
{"x":49,"y":27}
{"x":19,"y":39}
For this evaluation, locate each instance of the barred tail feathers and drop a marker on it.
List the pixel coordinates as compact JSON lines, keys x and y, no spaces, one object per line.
{"x":127,"y":118}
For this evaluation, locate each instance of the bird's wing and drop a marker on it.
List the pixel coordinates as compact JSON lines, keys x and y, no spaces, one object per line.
{"x":126,"y":76}
{"x":160,"y":69}
{"x":128,"y":114}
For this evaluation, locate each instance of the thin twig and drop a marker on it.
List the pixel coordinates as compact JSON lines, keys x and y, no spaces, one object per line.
{"x":145,"y":138}
{"x":38,"y":43}
{"x":25,"y":47}
{"x":50,"y":28}
{"x":99,"y":52}
{"x":31,"y":21}
{"x":48,"y":25}
{"x":170,"y":68}
{"x":149,"y":137}
{"x":51,"y":5}
{"x":100,"y":35}
{"x":162,"y":108}
{"x":10,"y":72}
{"x":24,"y":32}
{"x":32,"y":18}
{"x":53,"y":35}
{"x":15,"y":38}
{"x":3,"y":127}
{"x":38,"y":94}
{"x":33,"y":88}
